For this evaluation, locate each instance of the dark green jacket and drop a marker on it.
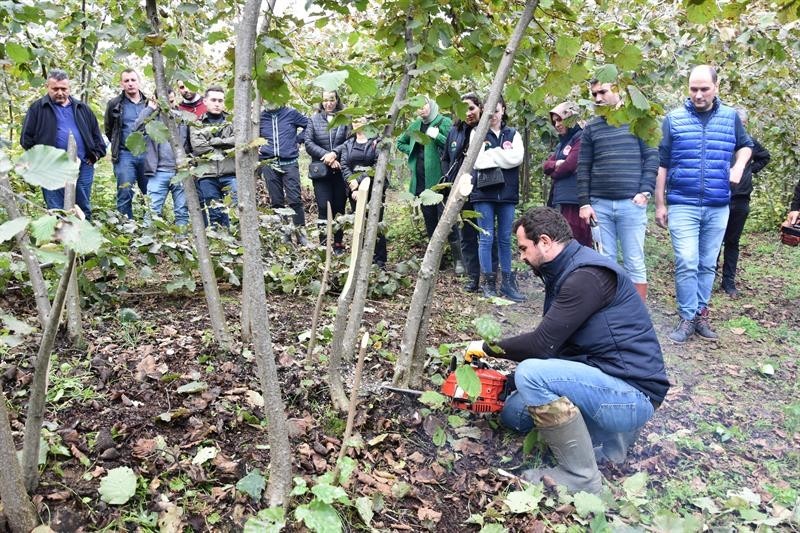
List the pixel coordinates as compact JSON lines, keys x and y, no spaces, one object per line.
{"x":433,"y":161}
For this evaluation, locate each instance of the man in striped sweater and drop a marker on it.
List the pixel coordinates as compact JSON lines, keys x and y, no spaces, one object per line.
{"x":616,"y":176}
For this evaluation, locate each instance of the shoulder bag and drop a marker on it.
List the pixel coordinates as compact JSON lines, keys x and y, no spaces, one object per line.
{"x":318,"y":170}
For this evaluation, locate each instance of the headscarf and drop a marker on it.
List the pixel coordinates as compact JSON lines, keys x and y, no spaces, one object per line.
{"x":565,"y":110}
{"x":434,"y":111}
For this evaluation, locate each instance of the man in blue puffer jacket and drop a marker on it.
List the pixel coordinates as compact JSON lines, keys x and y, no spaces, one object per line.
{"x":694,"y":176}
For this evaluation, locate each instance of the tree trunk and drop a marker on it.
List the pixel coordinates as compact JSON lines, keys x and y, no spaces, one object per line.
{"x":410,"y":361}
{"x":38,"y":394}
{"x":26,"y":249}
{"x":73,"y":305}
{"x":280,"y":472}
{"x":215,"y":310}
{"x":348,"y":340}
{"x":17,"y":507}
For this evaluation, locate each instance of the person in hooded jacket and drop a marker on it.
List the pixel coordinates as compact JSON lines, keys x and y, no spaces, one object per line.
{"x":424,"y":161}
{"x":562,"y":166}
{"x":358,"y":156}
{"x":502,"y":150}
{"x":324,"y":145}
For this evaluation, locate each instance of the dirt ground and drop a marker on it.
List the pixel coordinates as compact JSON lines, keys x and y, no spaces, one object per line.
{"x":723,"y":426}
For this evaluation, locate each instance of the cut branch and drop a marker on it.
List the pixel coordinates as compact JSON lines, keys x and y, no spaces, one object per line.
{"x":17,"y":507}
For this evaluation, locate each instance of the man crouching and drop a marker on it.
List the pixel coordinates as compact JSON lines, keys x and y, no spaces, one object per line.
{"x":592,"y":373}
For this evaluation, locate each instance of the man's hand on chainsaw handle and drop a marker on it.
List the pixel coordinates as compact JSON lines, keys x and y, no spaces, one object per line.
{"x":474,"y":351}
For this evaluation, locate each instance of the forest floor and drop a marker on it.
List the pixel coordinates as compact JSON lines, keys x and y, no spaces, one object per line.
{"x":150,"y":393}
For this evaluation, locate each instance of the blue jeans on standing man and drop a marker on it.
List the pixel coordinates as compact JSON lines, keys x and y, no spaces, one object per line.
{"x":158,"y":186}
{"x":696,"y":233}
{"x":503,"y":214}
{"x":129,"y":170}
{"x":213,"y":190}
{"x":609,"y":405}
{"x":83,"y":192}
{"x":624,"y":221}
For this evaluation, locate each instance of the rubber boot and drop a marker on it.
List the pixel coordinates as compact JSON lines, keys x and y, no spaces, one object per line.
{"x":614,"y":449}
{"x":562,"y":428}
{"x":473,"y":284}
{"x":641,"y":288}
{"x":489,"y":284}
{"x":509,"y":288}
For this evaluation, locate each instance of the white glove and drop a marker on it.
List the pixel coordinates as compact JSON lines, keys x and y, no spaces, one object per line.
{"x":432,"y":132}
{"x":474,"y":351}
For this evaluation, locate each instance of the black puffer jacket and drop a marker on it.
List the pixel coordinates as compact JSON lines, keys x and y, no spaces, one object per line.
{"x":320,"y":140}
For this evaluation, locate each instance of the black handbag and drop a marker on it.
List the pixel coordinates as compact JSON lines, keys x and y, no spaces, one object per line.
{"x":490,"y":176}
{"x":318,"y":170}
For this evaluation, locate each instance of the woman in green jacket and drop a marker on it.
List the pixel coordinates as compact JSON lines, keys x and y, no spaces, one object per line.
{"x":425,"y":163}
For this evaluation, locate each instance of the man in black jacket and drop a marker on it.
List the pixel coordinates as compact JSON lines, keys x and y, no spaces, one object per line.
{"x":592,"y":373}
{"x":121,"y":114}
{"x":740,"y":208}
{"x":50,"y":120}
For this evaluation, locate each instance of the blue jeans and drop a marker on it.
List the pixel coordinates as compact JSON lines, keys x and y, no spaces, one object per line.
{"x":213,"y":190}
{"x":696,"y":239}
{"x":83,"y":192}
{"x":503,"y":214}
{"x":129,"y":170}
{"x":158,"y":186}
{"x":624,"y":221}
{"x":608,"y":404}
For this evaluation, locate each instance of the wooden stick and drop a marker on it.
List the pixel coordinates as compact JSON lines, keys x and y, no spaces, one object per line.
{"x":323,"y":286}
{"x":351,"y":412}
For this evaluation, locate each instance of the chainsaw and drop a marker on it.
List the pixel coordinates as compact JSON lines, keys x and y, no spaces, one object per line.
{"x":495,"y":388}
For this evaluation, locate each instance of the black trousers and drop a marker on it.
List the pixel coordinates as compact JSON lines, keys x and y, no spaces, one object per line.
{"x":283,"y":186}
{"x":431,"y":215}
{"x":331,"y":189}
{"x":740,"y":208}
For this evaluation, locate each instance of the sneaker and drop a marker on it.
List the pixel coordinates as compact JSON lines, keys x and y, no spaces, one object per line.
{"x":338,"y":248}
{"x":702,"y":326}
{"x":683,"y":332}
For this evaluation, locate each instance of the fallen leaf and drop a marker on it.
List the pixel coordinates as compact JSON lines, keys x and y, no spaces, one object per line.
{"x":738,"y":331}
{"x":423,"y":513}
{"x":253,"y":398}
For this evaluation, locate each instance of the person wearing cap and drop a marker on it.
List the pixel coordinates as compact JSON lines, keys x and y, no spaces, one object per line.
{"x":616,"y":176}
{"x":425,"y":165}
{"x":700,"y":139}
{"x":562,"y":165}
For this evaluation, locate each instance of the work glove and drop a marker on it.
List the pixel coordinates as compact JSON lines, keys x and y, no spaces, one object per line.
{"x":474,"y":351}
{"x":432,"y":132}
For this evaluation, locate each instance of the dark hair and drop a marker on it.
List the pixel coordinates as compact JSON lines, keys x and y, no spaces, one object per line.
{"x":57,"y":74}
{"x":129,"y":71}
{"x":214,"y":88}
{"x":502,"y":101}
{"x":475,"y":99}
{"x":593,"y":81}
{"x":539,"y":221}
{"x":339,"y":105}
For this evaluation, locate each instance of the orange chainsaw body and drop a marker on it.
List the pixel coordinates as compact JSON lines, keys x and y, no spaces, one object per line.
{"x":490,"y":400}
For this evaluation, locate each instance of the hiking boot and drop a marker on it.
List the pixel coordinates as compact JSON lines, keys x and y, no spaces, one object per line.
{"x":730,"y":290}
{"x":683,"y":332}
{"x":473,"y":284}
{"x":489,"y":284}
{"x":508,"y":288}
{"x":702,"y":326}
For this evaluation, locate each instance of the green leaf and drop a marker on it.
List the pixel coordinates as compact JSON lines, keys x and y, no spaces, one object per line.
{"x":638,"y":99}
{"x":400,"y":490}
{"x":531,"y":442}
{"x":9,"y":229}
{"x":612,"y":43}
{"x":192,"y":387}
{"x":47,"y":167}
{"x":429,"y":197}
{"x":669,"y":522}
{"x":17,"y":53}
{"x":118,"y":486}
{"x":158,"y":131}
{"x":136,"y":143}
{"x":346,"y":467}
{"x":706,"y":504}
{"x":568,"y":46}
{"x":43,"y":228}
{"x":439,"y":437}
{"x":487,"y":328}
{"x":127,"y":315}
{"x":80,"y":235}
{"x":629,"y":58}
{"x":433,"y":399}
{"x":270,"y":520}
{"x":586,"y":503}
{"x":360,"y":84}
{"x":701,"y":11}
{"x":525,"y":501}
{"x":493,"y":528}
{"x":300,"y":486}
{"x":16,"y":325}
{"x":329,"y":493}
{"x":635,"y":485}
{"x":252,"y":484}
{"x":468,"y":380}
{"x":330,"y":81}
{"x":364,"y":508}
{"x":204,"y":454}
{"x":606,"y":73}
{"x":319,"y":516}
